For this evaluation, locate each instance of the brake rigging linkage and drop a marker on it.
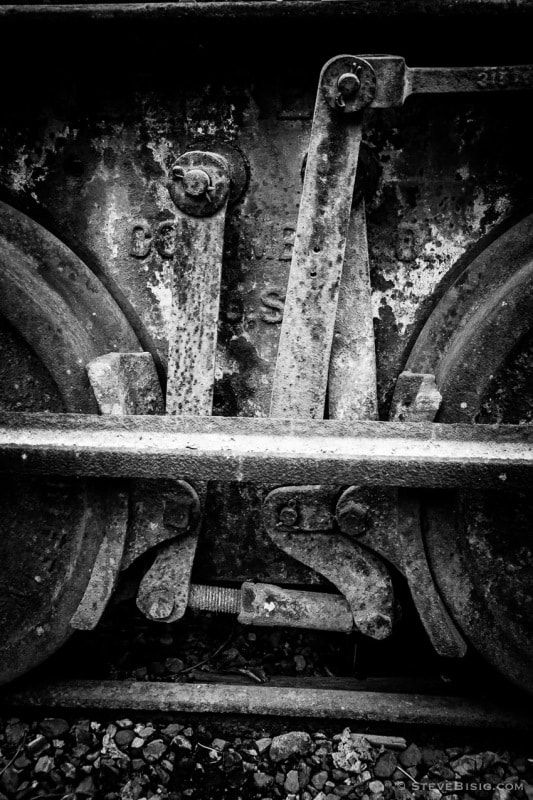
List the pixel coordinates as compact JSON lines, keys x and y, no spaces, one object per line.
{"x":326,"y":342}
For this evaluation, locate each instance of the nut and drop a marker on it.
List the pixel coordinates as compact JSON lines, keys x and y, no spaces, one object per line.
{"x":288,"y":516}
{"x":352,"y":518}
{"x":196,"y":182}
{"x":349,"y":83}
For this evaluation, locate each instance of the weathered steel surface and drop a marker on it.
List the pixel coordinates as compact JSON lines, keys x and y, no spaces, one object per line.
{"x":399,"y":10}
{"x":123,"y":383}
{"x":288,"y":451}
{"x":267,"y":605}
{"x":302,"y":363}
{"x":439,"y":626}
{"x":159,"y":510}
{"x":58,"y":305}
{"x":352,"y":385}
{"x":126,"y":383}
{"x":307,"y":534}
{"x":404,"y":709}
{"x":415,"y":399}
{"x":479,"y":544}
{"x":395,"y":81}
{"x":196,"y":275}
{"x":52,"y":530}
{"x":481,"y":318}
{"x":106,"y":567}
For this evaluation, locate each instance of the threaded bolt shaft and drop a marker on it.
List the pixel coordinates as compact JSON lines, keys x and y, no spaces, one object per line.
{"x":219,"y":599}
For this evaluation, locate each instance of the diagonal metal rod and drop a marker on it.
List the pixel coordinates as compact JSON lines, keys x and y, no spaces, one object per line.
{"x":281,"y":451}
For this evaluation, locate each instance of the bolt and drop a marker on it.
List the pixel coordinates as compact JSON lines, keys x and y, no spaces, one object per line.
{"x":288,"y":516}
{"x":352,"y":518}
{"x":196,"y":182}
{"x":348,"y":84}
{"x":160,"y":605}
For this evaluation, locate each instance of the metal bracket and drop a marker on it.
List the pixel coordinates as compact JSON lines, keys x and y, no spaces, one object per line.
{"x":300,"y":521}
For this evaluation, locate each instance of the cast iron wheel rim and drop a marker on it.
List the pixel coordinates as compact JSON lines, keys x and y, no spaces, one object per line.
{"x":50,"y":543}
{"x":480,"y":558}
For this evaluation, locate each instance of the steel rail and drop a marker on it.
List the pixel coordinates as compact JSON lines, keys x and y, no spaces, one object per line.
{"x":267,"y":450}
{"x":264,"y":9}
{"x":277,"y":701}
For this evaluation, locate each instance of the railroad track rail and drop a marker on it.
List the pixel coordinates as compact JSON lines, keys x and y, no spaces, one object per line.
{"x":360,"y":708}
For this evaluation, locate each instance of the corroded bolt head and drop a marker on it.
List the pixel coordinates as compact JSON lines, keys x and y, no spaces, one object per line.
{"x":160,"y":605}
{"x":196,"y":182}
{"x":288,"y":516}
{"x":352,"y":518}
{"x":348,"y":84}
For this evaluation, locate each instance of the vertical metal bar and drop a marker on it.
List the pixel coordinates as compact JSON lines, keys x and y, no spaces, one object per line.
{"x":164,"y":591}
{"x":352,"y":388}
{"x":194,"y":318}
{"x":302,"y":364}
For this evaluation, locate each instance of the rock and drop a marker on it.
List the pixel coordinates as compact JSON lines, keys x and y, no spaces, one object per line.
{"x":124,"y":738}
{"x":385,"y":765}
{"x":339,"y":775}
{"x":319,"y":779}
{"x":137,"y":764}
{"x":86,"y":787}
{"x":434,"y":794}
{"x":124,"y":723}
{"x":68,"y":770}
{"x":44,"y":765}
{"x":154,"y":750}
{"x":501,"y":793}
{"x":144,"y":731}
{"x":304,"y":774}
{"x":174,"y":665}
{"x":410,"y":757}
{"x":38,"y":746}
{"x":262,"y":779}
{"x":292,"y":784}
{"x":443,"y":772}
{"x":189,"y":732}
{"x":15,"y":732}
{"x":137,"y":743}
{"x":428,"y":756}
{"x":231,"y":760}
{"x":289,"y":744}
{"x":80,"y":750}
{"x":219,"y":744}
{"x":54,"y":728}
{"x":528,"y":790}
{"x":182,"y":744}
{"x":10,"y":780}
{"x":22,"y":762}
{"x":172,"y":730}
{"x":376,"y":787}
{"x":343,"y":790}
{"x":465,"y":765}
{"x":300,"y":663}
{"x":263,"y":744}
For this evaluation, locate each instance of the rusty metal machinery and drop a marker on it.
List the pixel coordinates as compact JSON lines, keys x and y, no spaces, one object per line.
{"x":271,"y":339}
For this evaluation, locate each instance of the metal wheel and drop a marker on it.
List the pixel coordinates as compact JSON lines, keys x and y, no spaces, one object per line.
{"x":59,"y":316}
{"x":479,"y":543}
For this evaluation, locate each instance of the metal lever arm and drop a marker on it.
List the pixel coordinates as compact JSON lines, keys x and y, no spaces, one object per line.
{"x":395,"y":81}
{"x":200,"y":190}
{"x":306,"y":337}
